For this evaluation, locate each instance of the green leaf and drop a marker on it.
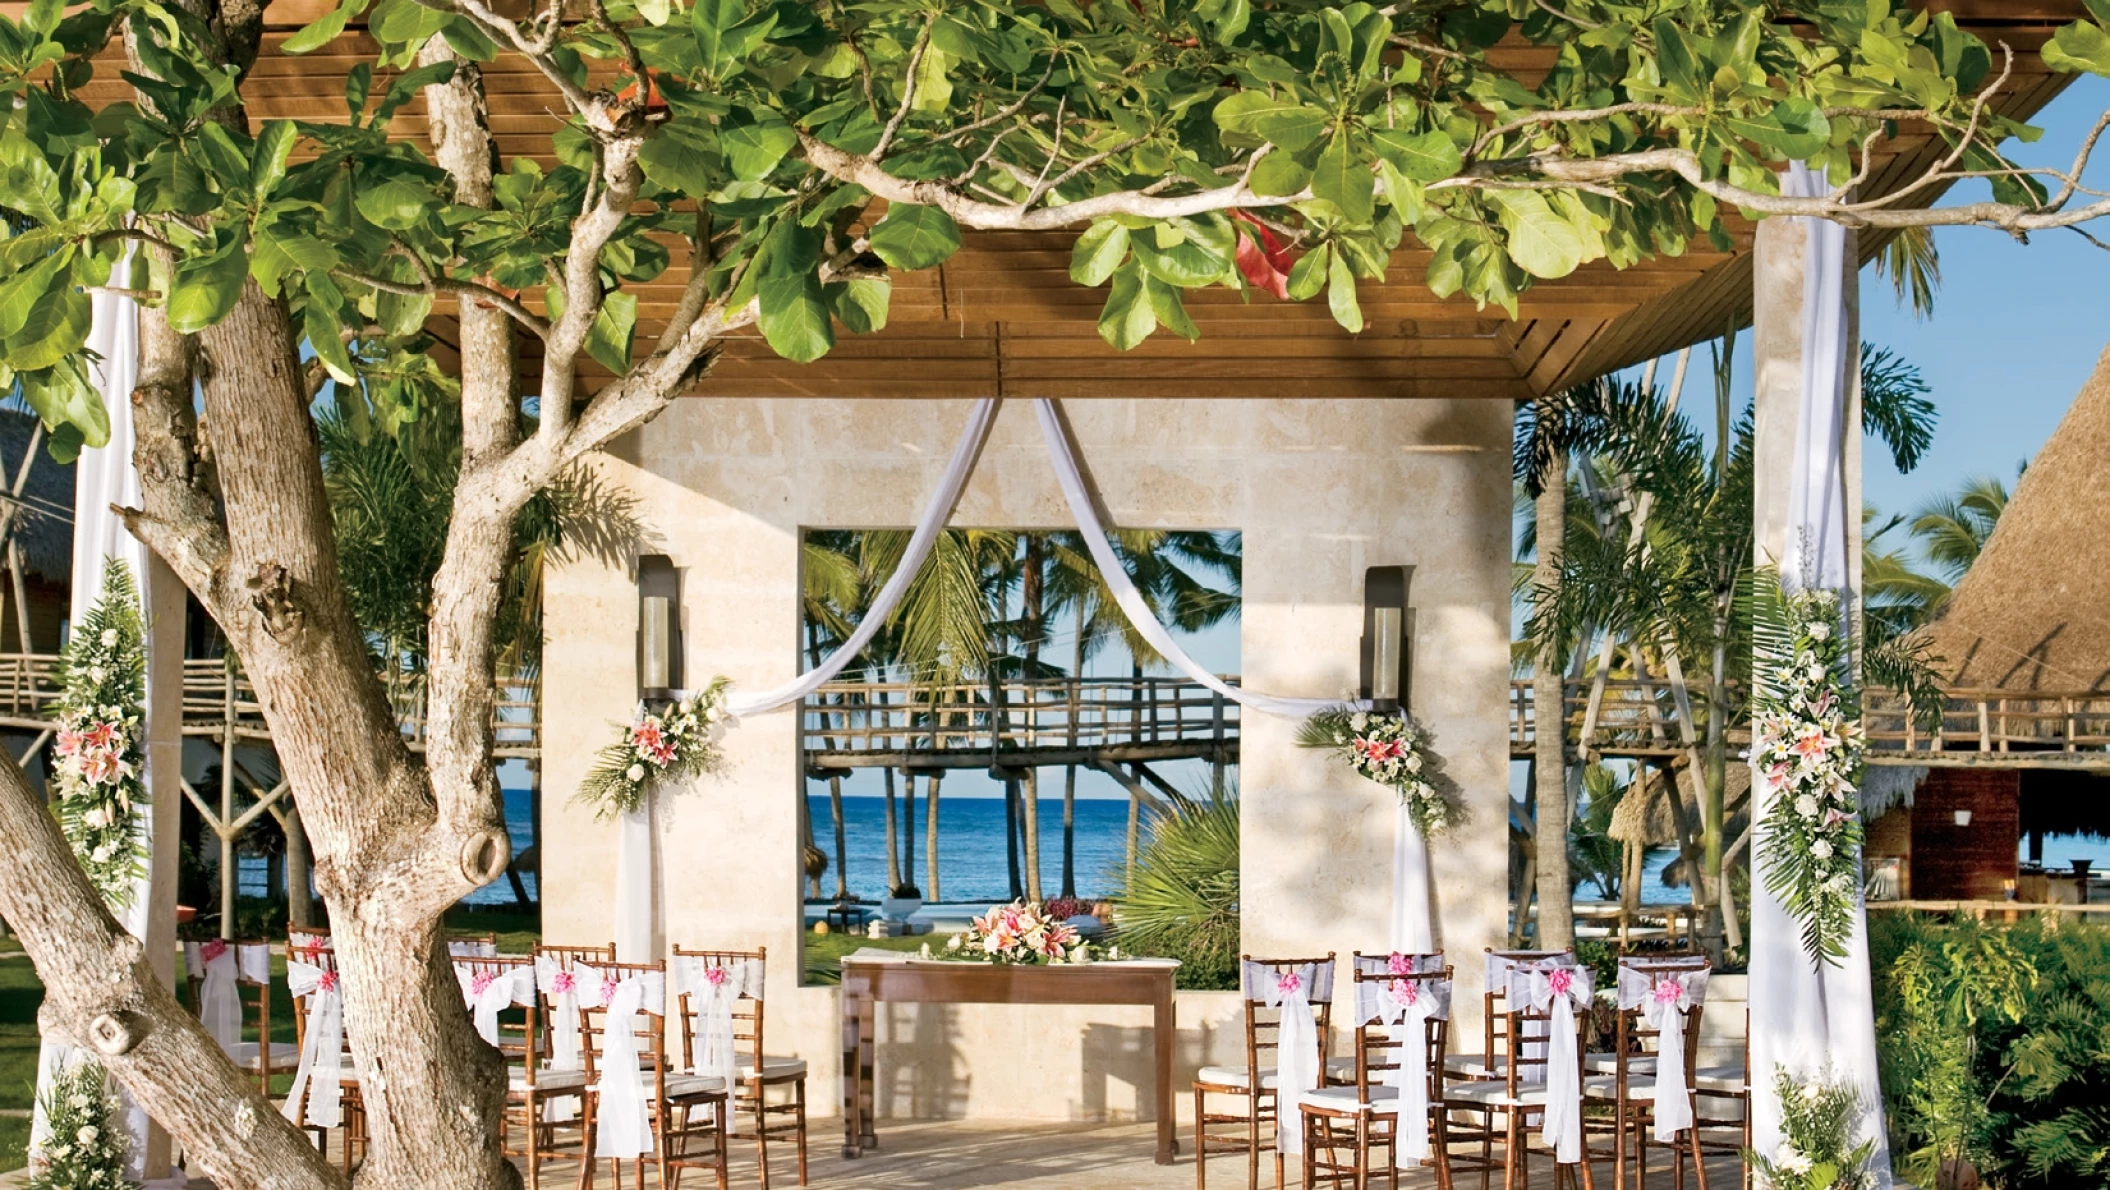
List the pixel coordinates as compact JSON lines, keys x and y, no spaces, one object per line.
{"x":795,"y":316}
{"x":325,"y":328}
{"x":409,"y":84}
{"x":1098,"y":252}
{"x":69,"y":405}
{"x":395,"y":203}
{"x":1343,"y":180}
{"x":319,"y":33}
{"x":267,"y":165}
{"x":1280,"y":174}
{"x":1281,"y":121}
{"x":725,"y":34}
{"x":1422,"y":157}
{"x":1127,"y":318}
{"x":1540,"y":241}
{"x":27,"y":181}
{"x":205,"y":288}
{"x":681,"y":156}
{"x":754,"y":147}
{"x":20,"y":293}
{"x":57,"y":327}
{"x":1186,"y":261}
{"x":1169,"y":309}
{"x":1340,"y":295}
{"x":614,"y":325}
{"x":655,"y":12}
{"x":861,"y":305}
{"x":44,"y":16}
{"x":1795,"y":128}
{"x":915,"y":237}
{"x":2079,"y":47}
{"x":1309,"y":273}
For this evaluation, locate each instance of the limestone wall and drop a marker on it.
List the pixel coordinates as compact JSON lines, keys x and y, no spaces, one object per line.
{"x":1321,"y":490}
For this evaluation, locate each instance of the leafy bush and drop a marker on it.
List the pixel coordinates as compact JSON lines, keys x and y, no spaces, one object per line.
{"x":1995,"y":1048}
{"x":1182,"y":902}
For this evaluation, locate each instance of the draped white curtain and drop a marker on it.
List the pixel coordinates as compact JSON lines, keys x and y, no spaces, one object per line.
{"x":1812,"y":1018}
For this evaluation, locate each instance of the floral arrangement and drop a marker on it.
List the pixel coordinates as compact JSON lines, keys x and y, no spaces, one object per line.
{"x":85,"y":1146}
{"x":1817,"y":1122}
{"x":1021,"y":932}
{"x":98,"y":771}
{"x":679,"y":741}
{"x":1391,"y":750}
{"x":1806,"y":749}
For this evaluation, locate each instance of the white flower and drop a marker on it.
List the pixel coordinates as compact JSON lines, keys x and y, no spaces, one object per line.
{"x":1358,"y":721}
{"x":634,"y":774}
{"x":1817,"y":673}
{"x":109,"y":638}
{"x":1806,"y":806}
{"x":1811,"y":1092}
{"x":954,"y":942}
{"x":1821,"y":849}
{"x":80,"y":1103}
{"x":1818,"y":630}
{"x":87,"y":1134}
{"x":1413,"y":762}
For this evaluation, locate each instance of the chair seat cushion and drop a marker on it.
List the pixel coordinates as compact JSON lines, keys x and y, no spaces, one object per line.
{"x":1721,"y":1080}
{"x":774,"y":1069}
{"x":1476,"y":1065}
{"x":551,"y":1082}
{"x":1383,"y":1101}
{"x":693,"y":1086}
{"x":248,"y":1055}
{"x":1609,"y":1063}
{"x":1606,"y":1087}
{"x":1338,"y":1069}
{"x":1493,"y":1093}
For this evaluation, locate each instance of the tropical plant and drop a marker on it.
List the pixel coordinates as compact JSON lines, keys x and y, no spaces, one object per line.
{"x":1181,"y":901}
{"x":1952,"y":530}
{"x":755,"y":137}
{"x":1913,"y":263}
{"x":89,"y":1144}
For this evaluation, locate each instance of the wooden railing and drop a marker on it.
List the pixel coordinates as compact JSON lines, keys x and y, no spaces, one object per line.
{"x":1108,"y":717}
{"x":1641,"y":718}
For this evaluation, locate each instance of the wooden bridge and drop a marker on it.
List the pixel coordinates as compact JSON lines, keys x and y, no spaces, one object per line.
{"x":1640,"y":718}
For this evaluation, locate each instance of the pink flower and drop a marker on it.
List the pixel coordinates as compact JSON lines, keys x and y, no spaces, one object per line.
{"x":328,"y":982}
{"x":1400,"y":964}
{"x":1406,"y":991}
{"x":1777,"y":776}
{"x":1812,"y":742}
{"x":1290,"y":984}
{"x":561,"y":983}
{"x":69,"y":742}
{"x":1560,"y":979}
{"x":212,"y":950}
{"x":1379,"y":751}
{"x":101,"y":735}
{"x":1669,"y":991}
{"x":480,"y":983}
{"x":608,"y":986}
{"x":651,"y":741}
{"x":715,"y":976}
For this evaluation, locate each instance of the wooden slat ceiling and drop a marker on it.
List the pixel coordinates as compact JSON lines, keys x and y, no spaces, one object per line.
{"x":1003,"y":317}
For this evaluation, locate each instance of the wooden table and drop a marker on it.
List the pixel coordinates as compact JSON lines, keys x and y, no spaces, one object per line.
{"x":871,"y":976}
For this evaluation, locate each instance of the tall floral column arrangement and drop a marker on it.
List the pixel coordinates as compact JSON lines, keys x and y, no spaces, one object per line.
{"x":1393,"y":750}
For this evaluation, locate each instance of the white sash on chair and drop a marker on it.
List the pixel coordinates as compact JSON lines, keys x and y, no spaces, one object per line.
{"x":623,"y":1120}
{"x":219,"y":1005}
{"x":1664,"y":998}
{"x":321,"y":1072}
{"x":471,"y":948}
{"x":560,"y":985}
{"x":1405,"y":1006}
{"x":1296,"y":1051}
{"x":489,"y":992}
{"x":1561,"y":987}
{"x":714,"y":989}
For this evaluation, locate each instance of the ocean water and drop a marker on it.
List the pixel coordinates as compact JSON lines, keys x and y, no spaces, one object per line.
{"x":253,"y":873}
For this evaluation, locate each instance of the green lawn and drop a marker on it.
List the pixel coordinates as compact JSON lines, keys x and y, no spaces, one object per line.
{"x":824,"y":952}
{"x":20,"y":993}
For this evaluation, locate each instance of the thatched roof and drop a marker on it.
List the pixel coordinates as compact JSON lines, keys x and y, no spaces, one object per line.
{"x":2033,"y":614}
{"x":46,"y":530}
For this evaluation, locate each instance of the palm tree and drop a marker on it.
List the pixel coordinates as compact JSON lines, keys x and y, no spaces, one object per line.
{"x":1952,"y":530}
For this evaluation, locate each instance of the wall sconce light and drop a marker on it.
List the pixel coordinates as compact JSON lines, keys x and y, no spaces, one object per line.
{"x":1963,"y":818}
{"x":1388,"y":635}
{"x":658,"y":627}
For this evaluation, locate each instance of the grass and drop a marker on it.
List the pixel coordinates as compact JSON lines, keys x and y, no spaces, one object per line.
{"x":14,"y":1142}
{"x":20,"y":993}
{"x":824,"y":952}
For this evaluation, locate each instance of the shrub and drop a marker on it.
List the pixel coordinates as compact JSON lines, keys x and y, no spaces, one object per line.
{"x":1182,"y":902}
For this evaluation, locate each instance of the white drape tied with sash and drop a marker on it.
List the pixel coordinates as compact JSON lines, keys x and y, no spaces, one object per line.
{"x":714,"y":987}
{"x":489,"y":991}
{"x":1558,"y":990}
{"x":1291,"y":991}
{"x":321,"y":1072}
{"x":1665,"y":998}
{"x":1405,"y":1007}
{"x":221,"y":967}
{"x":623,"y":1119}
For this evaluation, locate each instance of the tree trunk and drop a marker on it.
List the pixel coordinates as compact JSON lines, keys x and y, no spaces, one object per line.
{"x":1069,"y":831}
{"x":930,"y":836}
{"x":893,"y":836}
{"x":1556,"y":917}
{"x":1018,"y":889}
{"x":808,"y":849}
{"x":1029,"y":826}
{"x":908,"y":829}
{"x":300,"y":899}
{"x":842,"y":850}
{"x":1135,"y":831}
{"x":1712,"y":785}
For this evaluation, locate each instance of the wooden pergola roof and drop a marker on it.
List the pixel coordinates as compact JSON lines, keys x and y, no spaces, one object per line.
{"x":1003,"y":317}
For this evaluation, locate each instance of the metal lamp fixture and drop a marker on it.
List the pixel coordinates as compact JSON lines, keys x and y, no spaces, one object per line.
{"x":1388,"y":634}
{"x":658,"y":627}
{"x":1963,"y":817}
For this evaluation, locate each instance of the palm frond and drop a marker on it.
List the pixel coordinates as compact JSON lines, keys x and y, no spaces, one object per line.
{"x":1894,"y":405}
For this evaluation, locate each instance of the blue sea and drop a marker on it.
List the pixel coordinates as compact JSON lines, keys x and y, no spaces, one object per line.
{"x":971,"y":861}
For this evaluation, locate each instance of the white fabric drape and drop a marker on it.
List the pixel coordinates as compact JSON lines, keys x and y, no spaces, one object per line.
{"x":1413,"y":922}
{"x":622,"y":1121}
{"x":1562,"y":989}
{"x":1290,"y":993}
{"x":559,"y":986}
{"x":321,"y":1072}
{"x":220,"y":966}
{"x":1814,"y":1019}
{"x":1665,"y":1000}
{"x":489,"y":989}
{"x":637,"y":883}
{"x":714,"y":989}
{"x":1405,"y":1006}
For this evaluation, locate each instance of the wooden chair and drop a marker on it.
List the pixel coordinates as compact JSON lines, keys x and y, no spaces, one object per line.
{"x":263,"y":1057}
{"x":1368,"y":1113}
{"x":567,"y":955}
{"x":757,"y":1072}
{"x":1730,"y":1083}
{"x":465,"y":945}
{"x":672,"y":1100}
{"x":529,"y":1087}
{"x":352,"y":1108}
{"x":1516,"y":1094}
{"x":1253,"y":1084}
{"x":1494,"y":1021}
{"x":1631,"y":1088}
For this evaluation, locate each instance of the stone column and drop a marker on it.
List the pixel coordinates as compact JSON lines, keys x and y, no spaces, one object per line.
{"x":164,"y":599}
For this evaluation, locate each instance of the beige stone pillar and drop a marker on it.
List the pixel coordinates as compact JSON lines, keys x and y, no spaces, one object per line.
{"x":1776,"y":342}
{"x":166,"y":605}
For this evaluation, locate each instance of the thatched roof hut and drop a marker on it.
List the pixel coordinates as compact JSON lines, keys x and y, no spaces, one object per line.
{"x":2033,"y":614}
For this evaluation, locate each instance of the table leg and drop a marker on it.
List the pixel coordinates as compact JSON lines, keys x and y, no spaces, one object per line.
{"x":867,"y":1069}
{"x":854,"y":993}
{"x":1165,"y":1030}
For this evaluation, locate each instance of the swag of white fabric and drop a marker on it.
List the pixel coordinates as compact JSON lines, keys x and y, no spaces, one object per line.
{"x":1405,"y":1006}
{"x":714,"y":988}
{"x":220,"y":967}
{"x":1557,"y":989}
{"x":559,"y":986}
{"x":1290,"y":991}
{"x":622,"y":1117}
{"x":1665,"y":1000}
{"x":1413,"y":919}
{"x":489,"y":990}
{"x":1815,"y":1020}
{"x":319,"y":1082}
